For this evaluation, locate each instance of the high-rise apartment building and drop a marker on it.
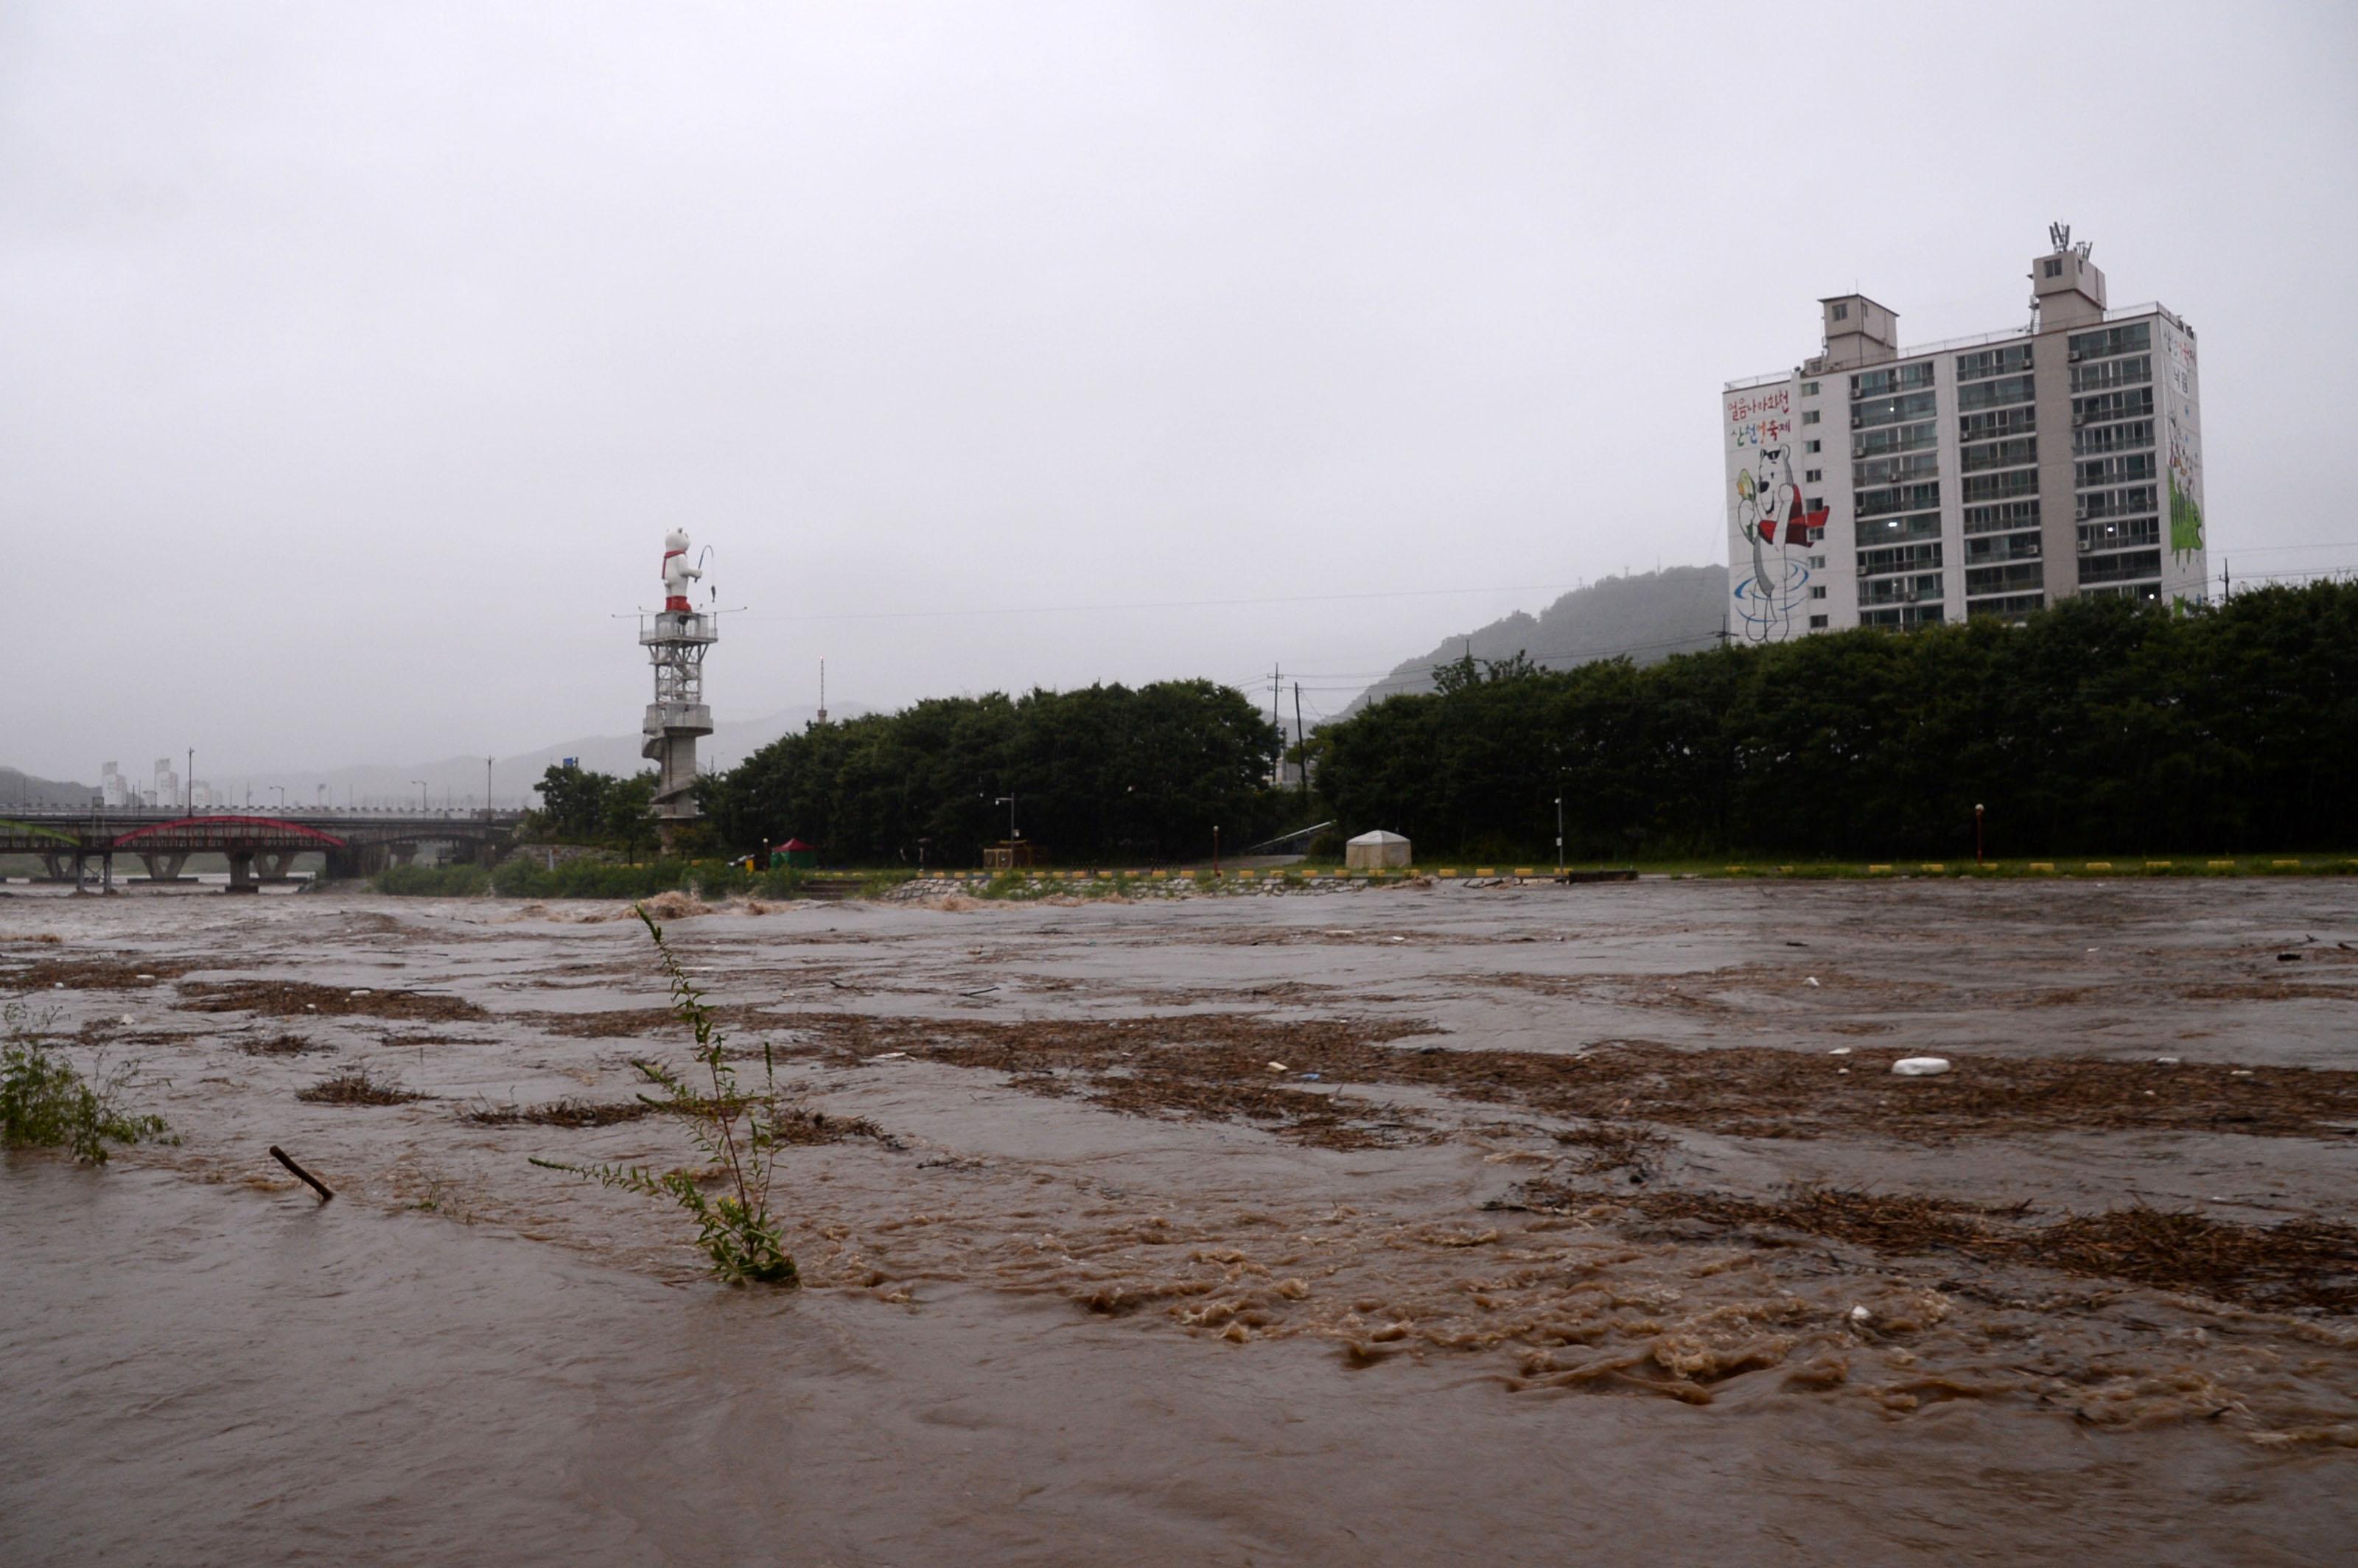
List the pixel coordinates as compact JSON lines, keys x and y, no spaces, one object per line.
{"x":1877,"y":486}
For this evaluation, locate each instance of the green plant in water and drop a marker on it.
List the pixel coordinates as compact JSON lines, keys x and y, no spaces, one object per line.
{"x":738,"y":1132}
{"x":46,"y":1104}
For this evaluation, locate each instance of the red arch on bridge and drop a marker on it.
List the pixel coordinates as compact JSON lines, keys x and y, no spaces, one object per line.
{"x":210,"y":832}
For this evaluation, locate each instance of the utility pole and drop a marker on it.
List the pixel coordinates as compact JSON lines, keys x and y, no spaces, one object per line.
{"x":487,"y":789}
{"x":1302,"y":755}
{"x":1276,"y":723}
{"x":1559,"y":830}
{"x":191,"y":782}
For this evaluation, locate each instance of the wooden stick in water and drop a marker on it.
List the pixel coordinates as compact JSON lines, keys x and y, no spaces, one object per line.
{"x":311,"y":1181}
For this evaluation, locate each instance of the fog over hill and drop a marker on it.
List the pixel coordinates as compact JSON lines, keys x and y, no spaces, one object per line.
{"x":1647,"y":617}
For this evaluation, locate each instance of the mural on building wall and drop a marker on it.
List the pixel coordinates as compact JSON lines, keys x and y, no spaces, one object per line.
{"x":2185,"y":448}
{"x":1773,"y":520}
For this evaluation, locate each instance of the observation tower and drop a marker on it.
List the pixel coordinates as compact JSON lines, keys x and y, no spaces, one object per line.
{"x":675,"y":643}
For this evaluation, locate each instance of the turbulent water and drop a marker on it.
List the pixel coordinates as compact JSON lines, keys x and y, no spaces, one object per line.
{"x":1098,"y":1275}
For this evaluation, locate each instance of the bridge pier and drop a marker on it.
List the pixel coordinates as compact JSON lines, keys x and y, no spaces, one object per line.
{"x":163,"y":865}
{"x":275,"y":863}
{"x":240,"y":871}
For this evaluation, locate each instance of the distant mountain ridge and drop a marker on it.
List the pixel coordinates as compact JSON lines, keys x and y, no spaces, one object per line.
{"x":19,"y":787}
{"x":1646,"y":617}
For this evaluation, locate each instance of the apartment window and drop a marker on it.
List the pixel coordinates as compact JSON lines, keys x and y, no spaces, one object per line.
{"x":2006,"y":454}
{"x":2137,"y":404}
{"x":2013,"y":606}
{"x":1899,"y":558}
{"x":2121,"y":568}
{"x":2002,"y":516}
{"x":2122,"y":470}
{"x":1809,"y":415}
{"x":2118,"y":502}
{"x":1808,"y":389}
{"x":1999,"y":486}
{"x":1817,"y":622}
{"x":2054,"y":266}
{"x":1900,"y":498}
{"x":1817,"y":503}
{"x":1818,"y":591}
{"x":2135,"y":435}
{"x":2011,"y":579}
{"x":1894,"y":471}
{"x":1925,"y":588}
{"x":2137,"y":337}
{"x":1897,"y":530}
{"x":1998,"y":423}
{"x":2133,"y":371}
{"x":1905,"y":410}
{"x":2127,"y":534}
{"x":1842,"y":312}
{"x":1896,"y":439}
{"x":1811,"y":445}
{"x":1987,"y":549}
{"x":2013,"y":360}
{"x":1812,"y":476}
{"x":1995,"y":394}
{"x":1819,"y":562}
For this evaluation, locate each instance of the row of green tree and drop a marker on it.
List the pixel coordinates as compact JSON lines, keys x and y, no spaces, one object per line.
{"x":2099,"y":725}
{"x":1105,"y":773}
{"x":2102,"y":725}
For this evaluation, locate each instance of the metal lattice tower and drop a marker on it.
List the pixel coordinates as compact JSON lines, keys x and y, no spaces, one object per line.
{"x":675,"y":643}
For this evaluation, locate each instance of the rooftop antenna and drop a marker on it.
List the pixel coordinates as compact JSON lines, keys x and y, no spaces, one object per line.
{"x":822,"y":691}
{"x":2060,"y":236}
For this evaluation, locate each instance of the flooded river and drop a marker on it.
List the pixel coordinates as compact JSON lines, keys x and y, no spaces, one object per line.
{"x":1426,"y":1226}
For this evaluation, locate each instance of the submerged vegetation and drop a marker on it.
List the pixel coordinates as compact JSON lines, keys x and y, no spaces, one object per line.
{"x":526,"y":878}
{"x":357,"y":1085}
{"x":45,"y":1103}
{"x":739,"y":1133}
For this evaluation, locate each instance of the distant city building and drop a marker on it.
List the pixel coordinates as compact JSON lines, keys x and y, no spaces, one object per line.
{"x":1877,"y":486}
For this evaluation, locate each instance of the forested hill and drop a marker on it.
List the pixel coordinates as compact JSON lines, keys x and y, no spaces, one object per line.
{"x":1648,"y":617}
{"x":20,"y":788}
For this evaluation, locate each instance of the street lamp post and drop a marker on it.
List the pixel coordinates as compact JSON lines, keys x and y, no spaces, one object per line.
{"x":282,"y":797}
{"x":1978,"y":835}
{"x":1559,"y":833}
{"x":421,"y":794}
{"x":190,"y":783}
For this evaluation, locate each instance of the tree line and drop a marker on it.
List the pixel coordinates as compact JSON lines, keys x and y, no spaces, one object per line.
{"x":2099,"y":726}
{"x":1102,"y":774}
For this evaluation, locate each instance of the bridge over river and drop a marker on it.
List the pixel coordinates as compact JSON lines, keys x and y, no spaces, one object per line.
{"x":258,"y":849}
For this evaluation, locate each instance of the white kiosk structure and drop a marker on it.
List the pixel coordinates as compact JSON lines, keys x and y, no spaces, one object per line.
{"x":676,"y":645}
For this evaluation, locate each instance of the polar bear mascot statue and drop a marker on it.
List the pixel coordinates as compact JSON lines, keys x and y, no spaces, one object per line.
{"x":676,"y":573}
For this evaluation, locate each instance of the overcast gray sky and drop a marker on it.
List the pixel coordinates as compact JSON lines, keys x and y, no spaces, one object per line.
{"x":357,"y":356}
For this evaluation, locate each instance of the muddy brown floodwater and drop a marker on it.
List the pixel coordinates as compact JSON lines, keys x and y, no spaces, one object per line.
{"x":1416,"y":1226}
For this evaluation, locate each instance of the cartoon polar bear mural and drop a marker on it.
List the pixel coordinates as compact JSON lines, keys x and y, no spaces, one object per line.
{"x":1774,"y":519}
{"x":676,"y":573}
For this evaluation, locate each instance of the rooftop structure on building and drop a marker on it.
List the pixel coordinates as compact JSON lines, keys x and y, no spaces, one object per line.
{"x":1878,"y":485}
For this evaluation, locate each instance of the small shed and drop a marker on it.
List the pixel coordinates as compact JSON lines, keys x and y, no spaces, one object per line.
{"x":1376,"y":851}
{"x":796,"y":853}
